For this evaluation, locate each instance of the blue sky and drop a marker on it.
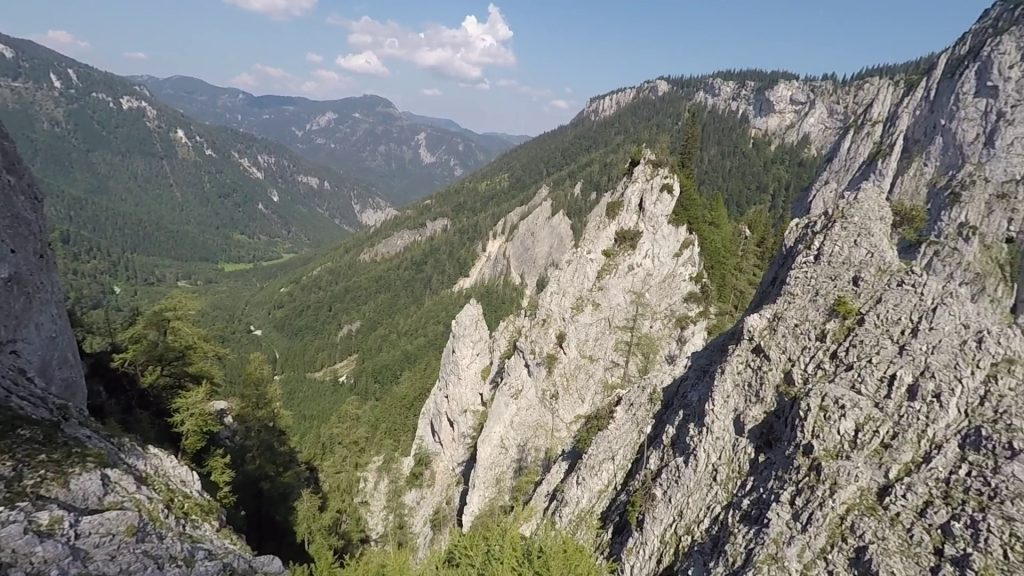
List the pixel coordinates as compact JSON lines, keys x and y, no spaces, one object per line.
{"x":516,"y":66}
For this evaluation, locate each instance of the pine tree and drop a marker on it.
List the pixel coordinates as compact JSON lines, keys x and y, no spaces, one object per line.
{"x":168,"y":352}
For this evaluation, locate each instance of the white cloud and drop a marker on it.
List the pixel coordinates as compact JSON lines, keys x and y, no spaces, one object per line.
{"x":62,"y":40}
{"x":327,"y":75}
{"x":365,"y":62}
{"x":245,"y":80}
{"x":534,"y":93}
{"x":431,"y":92}
{"x":136,"y":55}
{"x":559,"y":104}
{"x":271,"y":72}
{"x":321,"y":82}
{"x":314,"y":57}
{"x":481,"y":85}
{"x":276,"y":9}
{"x":461,"y":53}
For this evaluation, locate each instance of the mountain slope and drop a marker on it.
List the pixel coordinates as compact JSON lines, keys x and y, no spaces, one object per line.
{"x":406,"y":155}
{"x":72,"y":499}
{"x":191,"y":186}
{"x":856,"y":405}
{"x":862,"y":415}
{"x":140,"y":194}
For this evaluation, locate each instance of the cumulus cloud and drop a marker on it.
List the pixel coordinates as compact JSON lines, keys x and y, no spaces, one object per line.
{"x":62,"y":40}
{"x":276,"y":9}
{"x":365,"y":62}
{"x":559,"y":105}
{"x":314,"y":57}
{"x":136,"y":55}
{"x":431,"y":92}
{"x":461,"y":53}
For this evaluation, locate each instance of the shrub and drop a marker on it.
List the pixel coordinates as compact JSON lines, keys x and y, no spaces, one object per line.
{"x":550,"y":361}
{"x":593,"y":424}
{"x":613,"y":209}
{"x":908,"y":221}
{"x":844,"y":309}
{"x":637,"y":500}
{"x":560,"y":338}
{"x":542,"y":282}
{"x":627,"y":239}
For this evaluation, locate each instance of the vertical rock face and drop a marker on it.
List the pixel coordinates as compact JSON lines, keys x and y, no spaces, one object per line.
{"x":604,"y":329}
{"x":523,"y":245}
{"x":867,"y":413}
{"x":35,"y":336}
{"x":449,"y":421}
{"x":462,"y":389}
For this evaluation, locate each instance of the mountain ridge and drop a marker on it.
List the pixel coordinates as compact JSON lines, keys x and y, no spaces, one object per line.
{"x":407,"y":155}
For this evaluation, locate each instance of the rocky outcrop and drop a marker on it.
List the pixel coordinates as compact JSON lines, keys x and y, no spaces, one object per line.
{"x":72,"y":500}
{"x":449,"y":423}
{"x":398,"y":241}
{"x":375,"y":212}
{"x":865,"y":415}
{"x":523,"y":245}
{"x":789,"y":110}
{"x":608,"y":104}
{"x":606,"y":329}
{"x":590,"y":353}
{"x":35,"y":337}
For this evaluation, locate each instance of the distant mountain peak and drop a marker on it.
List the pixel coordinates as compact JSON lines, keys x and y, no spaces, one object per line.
{"x":406,"y":155}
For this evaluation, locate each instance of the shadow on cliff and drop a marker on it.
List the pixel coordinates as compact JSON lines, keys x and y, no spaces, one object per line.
{"x":683,"y":408}
{"x":269,"y":472}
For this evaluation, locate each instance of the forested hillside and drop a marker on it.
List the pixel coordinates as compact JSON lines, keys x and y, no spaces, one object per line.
{"x":405,"y":155}
{"x":359,"y":341}
{"x":138,"y":194}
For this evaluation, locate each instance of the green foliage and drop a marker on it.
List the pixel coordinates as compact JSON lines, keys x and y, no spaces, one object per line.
{"x":908,"y":221}
{"x":613,"y":209}
{"x":627,"y":239}
{"x":192,"y":418}
{"x":550,"y":361}
{"x":167,"y":351}
{"x":636,"y":156}
{"x":735,"y":195}
{"x":542,"y":283}
{"x":560,"y":339}
{"x":493,"y":547}
{"x":844,"y":309}
{"x":217,"y":466}
{"x":638,"y":499}
{"x":592,"y":425}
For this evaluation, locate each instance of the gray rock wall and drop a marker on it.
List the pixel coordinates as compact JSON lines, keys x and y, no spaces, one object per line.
{"x":35,"y":336}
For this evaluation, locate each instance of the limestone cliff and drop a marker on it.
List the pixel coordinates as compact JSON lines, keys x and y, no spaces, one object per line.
{"x":863,"y":415}
{"x":35,"y":337}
